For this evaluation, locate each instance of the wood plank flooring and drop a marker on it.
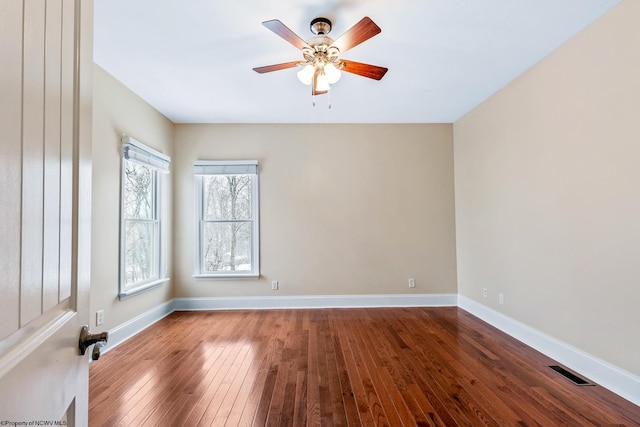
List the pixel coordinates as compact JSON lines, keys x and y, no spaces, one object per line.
{"x":338,"y":367}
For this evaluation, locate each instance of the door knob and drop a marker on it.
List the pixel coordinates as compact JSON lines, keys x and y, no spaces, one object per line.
{"x":87,"y":339}
{"x":95,"y":354}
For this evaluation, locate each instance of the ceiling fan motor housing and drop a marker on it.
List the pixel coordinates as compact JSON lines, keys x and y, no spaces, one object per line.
{"x":320,"y":26}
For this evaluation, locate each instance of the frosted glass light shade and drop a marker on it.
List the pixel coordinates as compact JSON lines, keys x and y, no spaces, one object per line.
{"x":306,"y":74}
{"x":322,"y":85}
{"x":332,"y":73}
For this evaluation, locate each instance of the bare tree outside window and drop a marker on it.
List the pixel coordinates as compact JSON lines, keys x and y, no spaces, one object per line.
{"x":143,"y":235}
{"x":227,"y":215}
{"x":227,"y":223}
{"x":141,"y":225}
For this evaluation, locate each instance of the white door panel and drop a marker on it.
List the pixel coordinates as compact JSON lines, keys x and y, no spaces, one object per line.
{"x":10,"y":164}
{"x":45,"y":190}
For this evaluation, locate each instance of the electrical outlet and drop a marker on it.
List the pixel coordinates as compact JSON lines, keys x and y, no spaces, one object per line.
{"x":485,"y":293}
{"x":99,"y":317}
{"x":274,"y":285}
{"x":412,"y":283}
{"x":501,"y":298}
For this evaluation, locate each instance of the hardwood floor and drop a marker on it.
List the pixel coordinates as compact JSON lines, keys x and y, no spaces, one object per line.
{"x":372,"y":367}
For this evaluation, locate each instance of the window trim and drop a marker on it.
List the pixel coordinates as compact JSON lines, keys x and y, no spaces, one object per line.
{"x":137,"y":152}
{"x":203,"y":168}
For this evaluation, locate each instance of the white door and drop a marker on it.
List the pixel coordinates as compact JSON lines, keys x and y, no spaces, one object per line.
{"x":45,"y":190}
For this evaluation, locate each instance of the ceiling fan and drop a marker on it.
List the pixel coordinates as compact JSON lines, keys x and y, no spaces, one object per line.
{"x":322,"y":64}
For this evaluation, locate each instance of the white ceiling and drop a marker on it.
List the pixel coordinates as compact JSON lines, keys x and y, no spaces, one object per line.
{"x":192,"y":60}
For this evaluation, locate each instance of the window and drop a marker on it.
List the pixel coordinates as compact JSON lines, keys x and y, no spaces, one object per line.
{"x":142,"y":217}
{"x":227,"y":218}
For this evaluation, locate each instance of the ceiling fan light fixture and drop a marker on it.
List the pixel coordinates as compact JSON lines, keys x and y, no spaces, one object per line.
{"x":306,"y":74}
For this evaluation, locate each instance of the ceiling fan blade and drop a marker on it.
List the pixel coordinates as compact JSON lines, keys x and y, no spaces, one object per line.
{"x":283,"y":31}
{"x":360,"y":32}
{"x":275,"y":67}
{"x":365,"y":70}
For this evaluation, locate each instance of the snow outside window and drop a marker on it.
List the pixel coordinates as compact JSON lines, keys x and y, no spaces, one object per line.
{"x":142,"y":218}
{"x":227,"y":218}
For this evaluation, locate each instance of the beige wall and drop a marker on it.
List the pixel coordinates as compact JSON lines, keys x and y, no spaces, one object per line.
{"x":344,"y":209}
{"x":547,"y":183}
{"x":117,"y":110}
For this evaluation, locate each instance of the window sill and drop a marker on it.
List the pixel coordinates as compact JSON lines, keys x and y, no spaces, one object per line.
{"x":147,"y":286}
{"x":249,"y":276}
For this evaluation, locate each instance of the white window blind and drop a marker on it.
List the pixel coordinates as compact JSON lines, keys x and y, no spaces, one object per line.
{"x":138,"y":152}
{"x":220,"y":167}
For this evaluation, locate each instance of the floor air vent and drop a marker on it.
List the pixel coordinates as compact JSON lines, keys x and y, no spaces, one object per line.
{"x":570,"y":376}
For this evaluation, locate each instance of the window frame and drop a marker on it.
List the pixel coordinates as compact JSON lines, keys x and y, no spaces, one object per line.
{"x":135,"y":152}
{"x":204,"y":168}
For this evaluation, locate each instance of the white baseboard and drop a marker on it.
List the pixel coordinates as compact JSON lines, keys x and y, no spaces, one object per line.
{"x":619,"y":381}
{"x":123,"y":332}
{"x":316,"y":301}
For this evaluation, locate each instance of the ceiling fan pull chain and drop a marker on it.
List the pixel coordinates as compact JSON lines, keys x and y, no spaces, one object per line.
{"x":329,"y":93}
